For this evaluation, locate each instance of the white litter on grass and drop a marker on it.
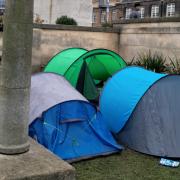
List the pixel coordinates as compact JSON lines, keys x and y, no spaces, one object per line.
{"x":169,"y":162}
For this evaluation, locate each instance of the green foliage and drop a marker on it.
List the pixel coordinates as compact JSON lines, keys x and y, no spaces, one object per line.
{"x":66,"y":20}
{"x":132,"y":62}
{"x":107,"y":25}
{"x":157,"y":63}
{"x":174,"y":66}
{"x":154,"y":62}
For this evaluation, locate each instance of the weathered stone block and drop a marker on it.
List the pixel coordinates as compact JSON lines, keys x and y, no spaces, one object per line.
{"x":36,"y":164}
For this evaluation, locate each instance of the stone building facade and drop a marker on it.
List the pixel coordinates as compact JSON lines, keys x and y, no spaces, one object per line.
{"x":121,"y":10}
{"x":47,"y":11}
{"x":150,"y":8}
{"x":103,"y":11}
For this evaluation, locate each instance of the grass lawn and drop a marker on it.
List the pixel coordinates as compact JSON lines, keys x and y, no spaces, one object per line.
{"x":126,"y":165}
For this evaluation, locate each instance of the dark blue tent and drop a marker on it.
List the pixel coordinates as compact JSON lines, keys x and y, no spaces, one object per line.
{"x":142,"y":109}
{"x":72,"y":128}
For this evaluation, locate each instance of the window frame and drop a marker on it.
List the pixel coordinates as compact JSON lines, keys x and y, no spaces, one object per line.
{"x":94,"y":17}
{"x":155,"y":11}
{"x":128,"y":12}
{"x":103,"y":16}
{"x":142,"y":12}
{"x":170,"y":9}
{"x":114,"y":14}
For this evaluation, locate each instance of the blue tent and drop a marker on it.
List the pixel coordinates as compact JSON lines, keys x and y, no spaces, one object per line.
{"x":122,"y":93}
{"x":72,"y":128}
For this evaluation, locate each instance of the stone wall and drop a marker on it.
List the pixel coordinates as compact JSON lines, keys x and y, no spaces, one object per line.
{"x":50,"y":10}
{"x":51,"y":39}
{"x":157,"y":37}
{"x":126,"y":39}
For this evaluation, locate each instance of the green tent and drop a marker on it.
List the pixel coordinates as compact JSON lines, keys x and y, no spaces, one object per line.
{"x":85,"y":70}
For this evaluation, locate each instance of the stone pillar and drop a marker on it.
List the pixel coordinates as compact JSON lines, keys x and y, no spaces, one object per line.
{"x":15,"y":76}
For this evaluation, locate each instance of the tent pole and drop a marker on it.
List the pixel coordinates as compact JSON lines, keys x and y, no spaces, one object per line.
{"x":15,"y":76}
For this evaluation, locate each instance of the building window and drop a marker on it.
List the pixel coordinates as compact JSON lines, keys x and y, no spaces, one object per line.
{"x":170,"y":10}
{"x":155,"y":11}
{"x":103,"y":2}
{"x":103,"y":16}
{"x":114,"y":15}
{"x":141,"y":12}
{"x":94,"y":17}
{"x":128,"y":13}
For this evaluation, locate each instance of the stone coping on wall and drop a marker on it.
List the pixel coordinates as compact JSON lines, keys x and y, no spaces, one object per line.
{"x":76,"y":28}
{"x":150,"y":30}
{"x":148,"y":20}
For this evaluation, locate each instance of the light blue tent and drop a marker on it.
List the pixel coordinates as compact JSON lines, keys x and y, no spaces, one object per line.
{"x":64,"y":122}
{"x":122,"y":93}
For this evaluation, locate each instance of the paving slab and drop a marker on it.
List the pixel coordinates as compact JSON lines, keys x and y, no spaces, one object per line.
{"x":36,"y":164}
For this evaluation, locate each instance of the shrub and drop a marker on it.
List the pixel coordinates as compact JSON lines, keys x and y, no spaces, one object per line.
{"x":157,"y":63}
{"x":66,"y":20}
{"x":154,"y":62}
{"x":132,"y":62}
{"x":174,"y":66}
{"x":107,"y":25}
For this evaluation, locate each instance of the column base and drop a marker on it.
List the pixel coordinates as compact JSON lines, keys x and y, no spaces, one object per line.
{"x":10,"y":150}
